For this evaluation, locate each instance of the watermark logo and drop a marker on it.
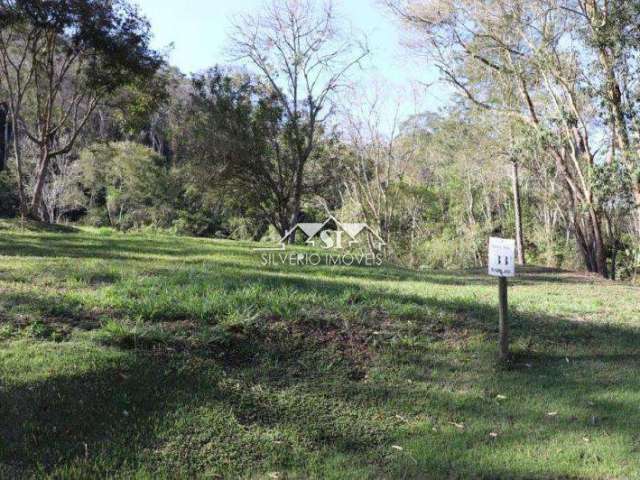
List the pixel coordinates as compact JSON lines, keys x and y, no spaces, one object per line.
{"x":339,"y":244}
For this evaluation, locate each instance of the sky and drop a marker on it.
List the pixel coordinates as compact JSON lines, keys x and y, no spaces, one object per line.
{"x":198,"y":29}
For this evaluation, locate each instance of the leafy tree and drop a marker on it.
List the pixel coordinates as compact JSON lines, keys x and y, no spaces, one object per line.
{"x":63,"y":58}
{"x":528,"y":61}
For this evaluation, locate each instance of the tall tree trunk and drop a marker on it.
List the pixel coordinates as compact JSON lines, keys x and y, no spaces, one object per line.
{"x":636,"y":195}
{"x":40,"y":179}
{"x":583,"y":240}
{"x":297,"y":199}
{"x":518,"y":215}
{"x":295,"y":214}
{"x":261,"y":230}
{"x":4,"y":135}
{"x":601,"y":256}
{"x":18,"y":158}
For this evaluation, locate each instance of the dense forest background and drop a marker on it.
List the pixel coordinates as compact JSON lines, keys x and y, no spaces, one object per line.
{"x":541,"y":141}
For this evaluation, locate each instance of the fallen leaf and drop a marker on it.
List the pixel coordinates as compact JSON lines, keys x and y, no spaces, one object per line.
{"x":457,"y":425}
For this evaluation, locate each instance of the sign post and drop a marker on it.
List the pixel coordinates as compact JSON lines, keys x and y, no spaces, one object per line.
{"x":501,"y":265}
{"x":503,"y":318}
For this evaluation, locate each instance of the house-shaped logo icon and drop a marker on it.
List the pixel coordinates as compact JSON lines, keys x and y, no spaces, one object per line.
{"x":333,"y":234}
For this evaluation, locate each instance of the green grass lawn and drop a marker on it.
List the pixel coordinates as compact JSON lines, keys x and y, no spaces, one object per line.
{"x":153,"y":356}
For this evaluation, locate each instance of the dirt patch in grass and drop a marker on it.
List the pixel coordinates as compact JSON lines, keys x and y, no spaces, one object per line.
{"x":351,"y":344}
{"x":54,"y":327}
{"x":89,"y":320}
{"x":239,"y":345}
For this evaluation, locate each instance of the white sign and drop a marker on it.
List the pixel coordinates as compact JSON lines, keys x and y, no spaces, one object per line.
{"x":501,"y":257}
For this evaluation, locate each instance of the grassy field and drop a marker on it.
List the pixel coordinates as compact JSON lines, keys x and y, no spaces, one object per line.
{"x":153,"y":356}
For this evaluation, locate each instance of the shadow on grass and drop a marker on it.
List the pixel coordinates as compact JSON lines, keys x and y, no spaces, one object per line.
{"x":121,"y":415}
{"x":121,"y":247}
{"x":67,"y":419}
{"x":113,"y":246}
{"x":333,"y":291}
{"x":298,"y":381}
{"x":35,"y":226}
{"x":124,"y":414}
{"x":67,"y":312}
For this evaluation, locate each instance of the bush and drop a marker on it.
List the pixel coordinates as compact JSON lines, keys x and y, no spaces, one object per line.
{"x":132,"y":184}
{"x":628,"y":261}
{"x":96,"y":217}
{"x":453,"y":250}
{"x":245,"y":228}
{"x":9,"y":205}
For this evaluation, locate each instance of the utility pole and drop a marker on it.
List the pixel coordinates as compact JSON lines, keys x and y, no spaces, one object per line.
{"x":515,"y":178}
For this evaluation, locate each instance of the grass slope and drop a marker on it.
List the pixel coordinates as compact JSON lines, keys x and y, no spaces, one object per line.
{"x":153,"y":356}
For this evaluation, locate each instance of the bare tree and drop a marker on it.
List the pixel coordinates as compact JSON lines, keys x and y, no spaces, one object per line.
{"x":381,"y":166}
{"x":61,"y":193}
{"x":298,"y":47}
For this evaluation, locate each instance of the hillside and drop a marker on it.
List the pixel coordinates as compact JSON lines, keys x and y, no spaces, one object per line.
{"x":163,"y":356}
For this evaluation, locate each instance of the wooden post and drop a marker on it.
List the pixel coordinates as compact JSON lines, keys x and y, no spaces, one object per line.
{"x":504,"y":319}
